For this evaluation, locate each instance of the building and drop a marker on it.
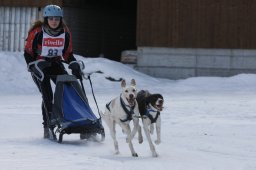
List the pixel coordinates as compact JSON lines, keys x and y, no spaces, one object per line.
{"x":170,"y":38}
{"x":184,"y":38}
{"x":99,"y":27}
{"x":16,"y":17}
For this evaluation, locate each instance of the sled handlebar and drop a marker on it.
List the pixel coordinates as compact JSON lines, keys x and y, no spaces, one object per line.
{"x":37,"y":66}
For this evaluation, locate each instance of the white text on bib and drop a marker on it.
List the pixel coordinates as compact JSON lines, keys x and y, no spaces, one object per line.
{"x":52,"y":46}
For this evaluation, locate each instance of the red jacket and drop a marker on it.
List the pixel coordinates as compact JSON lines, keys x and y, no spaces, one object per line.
{"x":33,"y":45}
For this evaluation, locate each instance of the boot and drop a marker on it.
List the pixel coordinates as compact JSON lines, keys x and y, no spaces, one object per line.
{"x":46,"y":133}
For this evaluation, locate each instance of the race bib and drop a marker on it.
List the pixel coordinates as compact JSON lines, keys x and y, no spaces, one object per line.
{"x":52,"y":46}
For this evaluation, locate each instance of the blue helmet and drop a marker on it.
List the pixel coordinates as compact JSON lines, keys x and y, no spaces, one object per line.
{"x":52,"y":11}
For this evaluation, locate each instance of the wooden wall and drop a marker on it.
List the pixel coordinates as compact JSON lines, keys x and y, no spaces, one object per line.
{"x":29,"y":3}
{"x":197,"y":23}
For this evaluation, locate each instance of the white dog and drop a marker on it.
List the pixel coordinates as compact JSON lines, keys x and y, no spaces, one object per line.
{"x":121,"y":110}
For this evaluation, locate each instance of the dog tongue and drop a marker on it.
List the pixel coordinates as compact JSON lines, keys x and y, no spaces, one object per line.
{"x":131,"y":102}
{"x":159,"y":107}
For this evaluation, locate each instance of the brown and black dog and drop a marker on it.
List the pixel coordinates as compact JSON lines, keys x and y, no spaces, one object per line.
{"x":150,"y":106}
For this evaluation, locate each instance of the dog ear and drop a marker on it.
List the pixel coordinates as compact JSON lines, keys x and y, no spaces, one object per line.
{"x":133,"y":83}
{"x":123,"y":83}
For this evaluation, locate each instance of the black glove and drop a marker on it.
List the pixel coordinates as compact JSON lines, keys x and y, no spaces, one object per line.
{"x":76,"y":71}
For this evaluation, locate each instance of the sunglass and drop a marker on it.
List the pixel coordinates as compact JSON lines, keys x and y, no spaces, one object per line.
{"x":54,"y":18}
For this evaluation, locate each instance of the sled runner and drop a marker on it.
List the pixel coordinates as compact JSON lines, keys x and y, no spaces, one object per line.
{"x":71,"y":112}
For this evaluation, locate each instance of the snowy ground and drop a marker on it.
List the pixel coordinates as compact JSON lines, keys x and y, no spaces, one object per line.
{"x":208,"y":123}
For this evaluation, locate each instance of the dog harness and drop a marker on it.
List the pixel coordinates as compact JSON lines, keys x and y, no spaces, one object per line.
{"x":129,"y":113}
{"x":153,"y":120}
{"x":107,"y":106}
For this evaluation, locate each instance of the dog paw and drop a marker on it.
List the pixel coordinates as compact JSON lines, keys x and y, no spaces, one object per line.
{"x":140,"y":141}
{"x":135,"y":155}
{"x":157,"y":142}
{"x":117,"y":152}
{"x":154,"y":154}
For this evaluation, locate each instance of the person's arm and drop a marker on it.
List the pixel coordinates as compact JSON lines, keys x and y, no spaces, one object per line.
{"x":68,"y":49}
{"x":69,"y":57}
{"x":31,"y":46}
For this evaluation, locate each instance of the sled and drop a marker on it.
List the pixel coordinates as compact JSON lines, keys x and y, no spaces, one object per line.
{"x":71,"y":112}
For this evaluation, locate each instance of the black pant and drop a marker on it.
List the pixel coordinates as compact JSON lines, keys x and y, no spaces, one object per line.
{"x":45,"y":88}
